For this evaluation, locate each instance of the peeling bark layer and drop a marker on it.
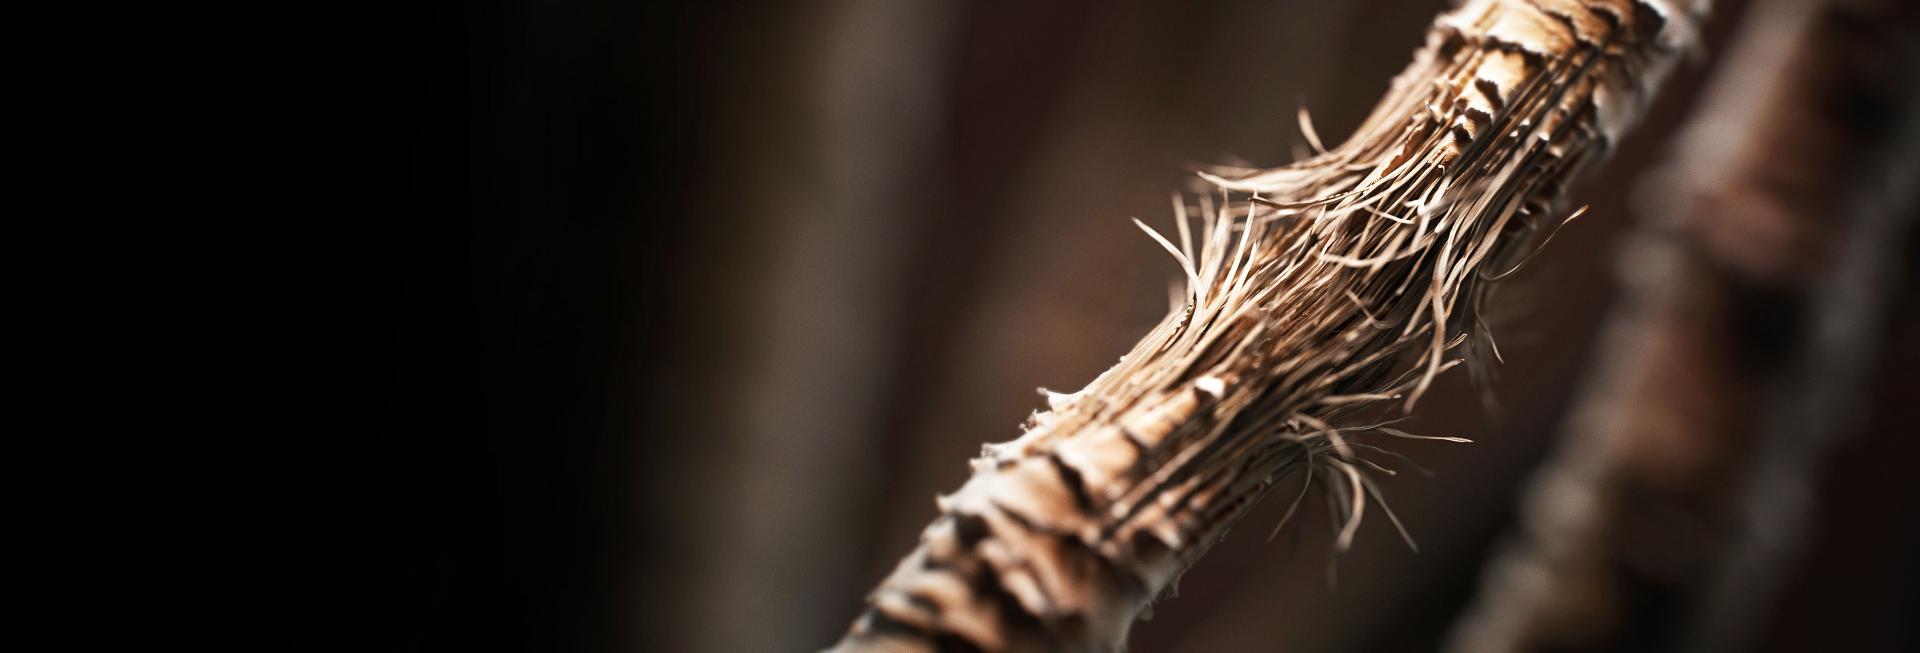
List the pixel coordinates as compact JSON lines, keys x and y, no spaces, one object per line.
{"x":1316,"y":292}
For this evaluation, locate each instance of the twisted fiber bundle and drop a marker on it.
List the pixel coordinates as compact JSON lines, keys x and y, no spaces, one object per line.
{"x":1313,"y":292}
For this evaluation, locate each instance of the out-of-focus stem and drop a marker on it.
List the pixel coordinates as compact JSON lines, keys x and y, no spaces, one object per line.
{"x":1752,"y":301}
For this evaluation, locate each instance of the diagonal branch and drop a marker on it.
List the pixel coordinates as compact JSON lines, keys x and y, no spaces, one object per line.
{"x":1315,"y":292}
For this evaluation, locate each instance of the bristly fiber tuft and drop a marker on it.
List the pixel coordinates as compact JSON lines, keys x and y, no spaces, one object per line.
{"x":1316,"y":294}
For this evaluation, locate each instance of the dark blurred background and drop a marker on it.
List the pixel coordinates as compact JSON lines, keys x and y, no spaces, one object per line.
{"x":657,"y":326}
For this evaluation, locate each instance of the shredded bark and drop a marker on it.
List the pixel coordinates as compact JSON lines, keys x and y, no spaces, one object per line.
{"x":1317,"y":294}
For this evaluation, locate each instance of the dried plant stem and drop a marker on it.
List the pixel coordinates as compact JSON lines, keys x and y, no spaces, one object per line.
{"x":1315,"y":292}
{"x":1750,"y":313}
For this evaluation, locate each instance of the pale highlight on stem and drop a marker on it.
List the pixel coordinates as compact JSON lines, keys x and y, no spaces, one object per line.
{"x":1315,"y":293}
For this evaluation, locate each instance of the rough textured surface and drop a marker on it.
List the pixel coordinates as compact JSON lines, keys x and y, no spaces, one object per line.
{"x":1316,"y":293}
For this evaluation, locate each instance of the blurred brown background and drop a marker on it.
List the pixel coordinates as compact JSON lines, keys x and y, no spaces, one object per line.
{"x":673,"y":320}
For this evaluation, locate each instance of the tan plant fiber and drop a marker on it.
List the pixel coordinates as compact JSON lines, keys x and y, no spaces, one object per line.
{"x":1315,"y":293}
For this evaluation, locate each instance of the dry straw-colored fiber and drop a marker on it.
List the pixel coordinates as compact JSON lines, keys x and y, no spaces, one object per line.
{"x":1319,"y":297}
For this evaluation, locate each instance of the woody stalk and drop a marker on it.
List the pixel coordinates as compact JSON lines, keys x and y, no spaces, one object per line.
{"x":1320,"y":296}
